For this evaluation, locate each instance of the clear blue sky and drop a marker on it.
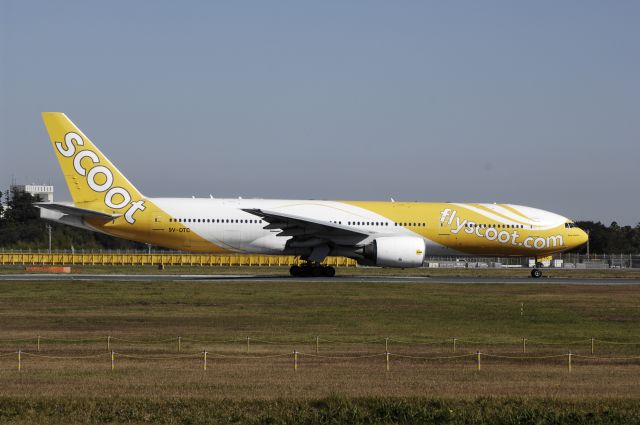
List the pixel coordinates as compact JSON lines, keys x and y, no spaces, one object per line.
{"x":535,"y":103}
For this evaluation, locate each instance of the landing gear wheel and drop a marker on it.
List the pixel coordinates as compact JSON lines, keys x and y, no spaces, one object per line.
{"x":328,"y":271}
{"x":536,"y":273}
{"x":312,"y":270}
{"x":295,"y":271}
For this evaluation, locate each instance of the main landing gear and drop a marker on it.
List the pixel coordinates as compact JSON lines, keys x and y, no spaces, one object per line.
{"x":312,"y":270}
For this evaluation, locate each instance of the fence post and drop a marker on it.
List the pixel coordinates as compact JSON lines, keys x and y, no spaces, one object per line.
{"x":478,"y":361}
{"x":19,"y":360}
{"x":524,"y":345}
{"x":386,"y":345}
{"x":454,"y":344}
{"x":179,"y":344}
{"x":387,"y":357}
{"x":113,"y":360}
{"x":38,"y":345}
{"x":204,"y":361}
{"x":109,"y":343}
{"x":317,"y":343}
{"x":295,"y":360}
{"x":592,"y":345}
{"x":569,"y":364}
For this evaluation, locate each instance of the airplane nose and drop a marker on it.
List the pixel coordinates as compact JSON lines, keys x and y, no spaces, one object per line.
{"x":582,"y":238}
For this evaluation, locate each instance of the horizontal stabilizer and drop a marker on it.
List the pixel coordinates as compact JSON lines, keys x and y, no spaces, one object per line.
{"x":75,"y":211}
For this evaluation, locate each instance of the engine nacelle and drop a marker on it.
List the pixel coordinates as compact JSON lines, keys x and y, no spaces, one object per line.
{"x":396,"y":251}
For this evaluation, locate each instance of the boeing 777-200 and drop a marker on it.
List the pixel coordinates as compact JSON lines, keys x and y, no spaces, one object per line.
{"x":385,"y":234}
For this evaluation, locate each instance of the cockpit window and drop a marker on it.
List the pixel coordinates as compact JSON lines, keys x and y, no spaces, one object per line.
{"x":569,"y":225}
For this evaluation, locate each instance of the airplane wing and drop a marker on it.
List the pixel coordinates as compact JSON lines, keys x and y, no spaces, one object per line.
{"x":311,"y":233}
{"x":75,"y":211}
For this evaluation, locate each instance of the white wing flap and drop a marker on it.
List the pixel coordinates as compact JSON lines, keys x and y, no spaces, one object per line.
{"x":304,"y":227}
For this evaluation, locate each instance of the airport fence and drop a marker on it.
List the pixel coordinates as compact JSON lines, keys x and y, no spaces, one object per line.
{"x":156,"y":259}
{"x":561,"y":260}
{"x":26,"y":358}
{"x":111,"y":351}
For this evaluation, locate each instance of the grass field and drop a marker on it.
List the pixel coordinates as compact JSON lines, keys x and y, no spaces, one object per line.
{"x":352,"y":320}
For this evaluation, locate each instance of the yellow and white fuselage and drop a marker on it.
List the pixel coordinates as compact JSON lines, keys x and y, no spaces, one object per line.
{"x":394,"y":234}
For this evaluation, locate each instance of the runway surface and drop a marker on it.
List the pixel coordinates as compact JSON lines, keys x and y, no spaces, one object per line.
{"x":345,"y":279}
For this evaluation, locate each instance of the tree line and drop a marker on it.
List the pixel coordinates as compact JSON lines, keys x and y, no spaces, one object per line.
{"x":612,"y":239}
{"x":22,"y":228}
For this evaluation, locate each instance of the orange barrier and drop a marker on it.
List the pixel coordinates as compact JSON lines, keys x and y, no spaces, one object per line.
{"x":47,"y":269}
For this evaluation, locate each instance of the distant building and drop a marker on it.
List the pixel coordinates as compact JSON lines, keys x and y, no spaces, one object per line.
{"x":45,"y":192}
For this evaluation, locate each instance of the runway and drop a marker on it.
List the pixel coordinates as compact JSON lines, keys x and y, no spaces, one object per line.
{"x":337,"y":279}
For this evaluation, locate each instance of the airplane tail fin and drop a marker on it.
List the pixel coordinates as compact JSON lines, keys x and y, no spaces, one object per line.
{"x":94,"y":182}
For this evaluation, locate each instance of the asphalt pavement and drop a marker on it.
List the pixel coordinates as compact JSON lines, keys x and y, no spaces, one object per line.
{"x":338,"y":278}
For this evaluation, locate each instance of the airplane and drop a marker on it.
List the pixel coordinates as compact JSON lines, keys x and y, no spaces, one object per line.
{"x":383,"y":234}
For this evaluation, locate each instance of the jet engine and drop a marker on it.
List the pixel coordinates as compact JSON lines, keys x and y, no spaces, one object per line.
{"x":396,"y":251}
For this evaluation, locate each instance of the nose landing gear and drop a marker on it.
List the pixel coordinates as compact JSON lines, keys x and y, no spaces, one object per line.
{"x":536,"y":273}
{"x":312,"y":270}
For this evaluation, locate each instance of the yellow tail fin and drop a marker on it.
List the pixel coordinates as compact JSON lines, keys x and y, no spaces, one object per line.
{"x":93,"y":181}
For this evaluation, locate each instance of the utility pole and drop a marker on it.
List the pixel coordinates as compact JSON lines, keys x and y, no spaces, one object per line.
{"x":49,"y":230}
